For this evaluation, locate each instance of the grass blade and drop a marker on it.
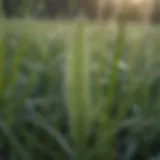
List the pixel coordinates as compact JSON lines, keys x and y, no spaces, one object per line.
{"x":17,"y":59}
{"x":2,"y":62}
{"x":15,"y":143}
{"x":78,"y":90}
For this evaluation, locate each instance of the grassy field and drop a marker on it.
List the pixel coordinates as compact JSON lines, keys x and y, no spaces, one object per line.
{"x":79,"y":90}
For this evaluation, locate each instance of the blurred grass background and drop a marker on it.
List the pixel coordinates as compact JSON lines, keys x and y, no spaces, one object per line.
{"x":79,"y":90}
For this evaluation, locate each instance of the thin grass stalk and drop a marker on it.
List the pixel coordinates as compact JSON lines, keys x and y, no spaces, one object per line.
{"x":104,"y":119}
{"x":100,"y":67}
{"x":2,"y":62}
{"x":131,"y":81}
{"x":17,"y":59}
{"x":119,"y":46}
{"x":12,"y":81}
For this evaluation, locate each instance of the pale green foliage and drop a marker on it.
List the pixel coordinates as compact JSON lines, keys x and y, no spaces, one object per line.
{"x":68,"y":89}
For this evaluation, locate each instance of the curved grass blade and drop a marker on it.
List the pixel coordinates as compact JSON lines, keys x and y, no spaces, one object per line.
{"x":15,"y":143}
{"x":55,"y":135}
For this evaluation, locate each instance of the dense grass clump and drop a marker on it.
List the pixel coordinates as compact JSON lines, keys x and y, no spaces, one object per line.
{"x":79,"y":91}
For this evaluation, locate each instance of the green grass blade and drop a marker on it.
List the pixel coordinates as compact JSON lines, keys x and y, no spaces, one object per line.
{"x":17,"y":59}
{"x":78,"y":90}
{"x":104,"y":117}
{"x":2,"y":62}
{"x":55,"y":135}
{"x":14,"y":142}
{"x":119,"y":46}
